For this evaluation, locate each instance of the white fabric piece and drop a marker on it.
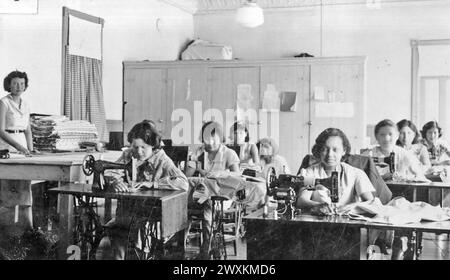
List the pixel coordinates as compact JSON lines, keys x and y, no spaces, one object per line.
{"x":85,"y":38}
{"x":397,"y":211}
{"x":206,"y":50}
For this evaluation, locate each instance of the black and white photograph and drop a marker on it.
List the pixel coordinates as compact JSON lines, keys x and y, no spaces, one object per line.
{"x":188,"y":131}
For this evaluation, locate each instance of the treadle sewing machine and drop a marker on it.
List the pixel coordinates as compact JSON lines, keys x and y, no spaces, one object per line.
{"x":164,"y":211}
{"x":390,"y":161}
{"x":285,"y":188}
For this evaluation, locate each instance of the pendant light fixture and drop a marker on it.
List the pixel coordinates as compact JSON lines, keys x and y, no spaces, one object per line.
{"x":250,"y":15}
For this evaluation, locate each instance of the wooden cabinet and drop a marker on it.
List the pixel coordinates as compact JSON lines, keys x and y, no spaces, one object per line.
{"x":293,"y":129}
{"x":330,"y":92}
{"x":144,"y":95}
{"x":343,"y":85}
{"x":186,"y":99}
{"x":225,"y":83}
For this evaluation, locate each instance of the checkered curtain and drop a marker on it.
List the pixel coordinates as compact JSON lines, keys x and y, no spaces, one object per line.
{"x":83,"y":92}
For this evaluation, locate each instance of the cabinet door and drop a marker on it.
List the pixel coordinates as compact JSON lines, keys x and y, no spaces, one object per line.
{"x":292,"y":127}
{"x":229,"y":87}
{"x":187,"y":101}
{"x":144,"y":97}
{"x":342,"y":103}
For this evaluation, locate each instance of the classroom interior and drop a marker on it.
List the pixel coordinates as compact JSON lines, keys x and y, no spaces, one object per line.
{"x":170,"y":67}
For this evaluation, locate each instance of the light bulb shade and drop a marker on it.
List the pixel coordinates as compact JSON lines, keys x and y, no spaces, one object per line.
{"x":250,"y":15}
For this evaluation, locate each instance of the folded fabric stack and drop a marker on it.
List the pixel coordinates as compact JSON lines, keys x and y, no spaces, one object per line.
{"x":59,"y":133}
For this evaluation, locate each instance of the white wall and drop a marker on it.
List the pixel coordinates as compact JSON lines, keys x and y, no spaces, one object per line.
{"x":32,"y":43}
{"x":383,"y":35}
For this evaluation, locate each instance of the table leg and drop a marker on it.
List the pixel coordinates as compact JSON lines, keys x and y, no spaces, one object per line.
{"x":65,"y":225}
{"x":108,"y":210}
{"x":414,"y":194}
{"x":364,"y":243}
{"x":419,"y":245}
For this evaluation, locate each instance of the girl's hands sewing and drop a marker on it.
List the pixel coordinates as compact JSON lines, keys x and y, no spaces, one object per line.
{"x":144,"y":185}
{"x":120,"y":186}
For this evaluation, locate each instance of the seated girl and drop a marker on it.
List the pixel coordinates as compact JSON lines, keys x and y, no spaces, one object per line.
{"x":409,"y":139}
{"x":239,"y":136}
{"x":269,"y":157}
{"x":354,"y":185}
{"x":439,"y":152}
{"x":438,"y":149}
{"x":154,"y":170}
{"x":406,"y":164}
{"x":212,"y":157}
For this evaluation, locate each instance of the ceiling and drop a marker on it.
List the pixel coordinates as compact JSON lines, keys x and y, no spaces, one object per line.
{"x":212,"y":6}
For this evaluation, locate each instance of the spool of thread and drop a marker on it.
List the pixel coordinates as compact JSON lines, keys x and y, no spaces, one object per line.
{"x":100,"y":147}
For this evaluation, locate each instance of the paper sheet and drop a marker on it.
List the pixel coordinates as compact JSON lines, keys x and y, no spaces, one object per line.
{"x":334,"y":110}
{"x":245,"y":110}
{"x":244,"y":96}
{"x":288,"y":101}
{"x":319,"y":93}
{"x":19,"y":7}
{"x":271,"y":99}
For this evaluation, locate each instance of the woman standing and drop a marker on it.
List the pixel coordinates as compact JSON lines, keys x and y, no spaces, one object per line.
{"x":15,"y":135}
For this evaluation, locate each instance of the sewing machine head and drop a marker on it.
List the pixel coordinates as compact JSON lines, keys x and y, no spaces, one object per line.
{"x":97,"y":167}
{"x":285,"y":189}
{"x":390,"y":161}
{"x":433,"y":152}
{"x":332,"y":184}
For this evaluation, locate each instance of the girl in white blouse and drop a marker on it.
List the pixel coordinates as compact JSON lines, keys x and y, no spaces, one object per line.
{"x":406,"y":164}
{"x":239,"y":135}
{"x":438,"y":149}
{"x":354,"y":185}
{"x":409,"y":139}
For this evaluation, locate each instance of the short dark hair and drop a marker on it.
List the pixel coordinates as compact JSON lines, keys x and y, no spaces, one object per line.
{"x":240,"y":126}
{"x":403,"y":123}
{"x":147,"y":132}
{"x":130,"y":135}
{"x":268,"y":142}
{"x":323,"y":137}
{"x":384,"y":123}
{"x":12,"y":75}
{"x":211,"y":128}
{"x":428,"y":126}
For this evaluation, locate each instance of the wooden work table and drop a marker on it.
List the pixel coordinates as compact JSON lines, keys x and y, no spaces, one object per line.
{"x":318,"y":237}
{"x":420,"y":186}
{"x":61,"y":167}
